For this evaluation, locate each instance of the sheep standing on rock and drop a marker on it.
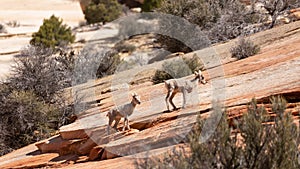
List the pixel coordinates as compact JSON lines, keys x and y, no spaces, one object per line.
{"x":125,"y":111}
{"x":184,"y":86}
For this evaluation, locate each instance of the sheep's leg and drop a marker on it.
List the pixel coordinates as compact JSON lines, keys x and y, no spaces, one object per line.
{"x":128,"y":127}
{"x":167,"y":97}
{"x":126,"y":123}
{"x":171,"y":101}
{"x":116,"y":123}
{"x":184,"y":93}
{"x":125,"y":120}
{"x":110,"y":120}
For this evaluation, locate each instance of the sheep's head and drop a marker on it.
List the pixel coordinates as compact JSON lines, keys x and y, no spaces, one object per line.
{"x":136,"y":98}
{"x":200,"y":77}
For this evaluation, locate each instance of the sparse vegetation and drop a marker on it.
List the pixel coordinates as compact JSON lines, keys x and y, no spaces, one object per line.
{"x":31,"y":100}
{"x":101,"y":61}
{"x":276,"y":8}
{"x":39,"y":71}
{"x":150,"y":5}
{"x":160,"y":76}
{"x":225,"y":20}
{"x":235,"y":20}
{"x":221,"y":20}
{"x":244,"y":48}
{"x":177,"y":68}
{"x":255,"y":141}
{"x":52,"y":33}
{"x":199,"y":12}
{"x":102,"y":11}
{"x":24,"y":118}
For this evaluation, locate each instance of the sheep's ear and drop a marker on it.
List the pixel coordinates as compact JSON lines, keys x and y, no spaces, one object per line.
{"x":196,"y":73}
{"x":133,"y":94}
{"x":199,"y":72}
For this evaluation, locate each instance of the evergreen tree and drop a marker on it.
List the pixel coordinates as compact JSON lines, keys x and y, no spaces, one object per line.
{"x":52,"y":33}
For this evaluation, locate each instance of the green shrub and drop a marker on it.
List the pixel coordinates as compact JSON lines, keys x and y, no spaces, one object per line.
{"x":177,"y":68}
{"x":32,"y":101}
{"x":220,"y":20}
{"x":24,"y":119}
{"x":150,"y":5}
{"x":253,"y":144}
{"x":244,"y":48}
{"x":199,"y":12}
{"x":102,"y":11}
{"x":270,"y":146}
{"x":52,"y":33}
{"x":160,"y":76}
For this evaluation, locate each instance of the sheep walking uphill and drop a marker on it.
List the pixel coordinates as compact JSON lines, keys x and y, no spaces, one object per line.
{"x":175,"y":86}
{"x":125,"y":111}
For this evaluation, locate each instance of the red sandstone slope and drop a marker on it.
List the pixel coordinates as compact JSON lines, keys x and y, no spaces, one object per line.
{"x":275,"y":70}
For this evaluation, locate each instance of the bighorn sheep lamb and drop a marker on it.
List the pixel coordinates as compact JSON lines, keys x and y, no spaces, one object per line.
{"x":125,"y":111}
{"x":176,"y":85}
